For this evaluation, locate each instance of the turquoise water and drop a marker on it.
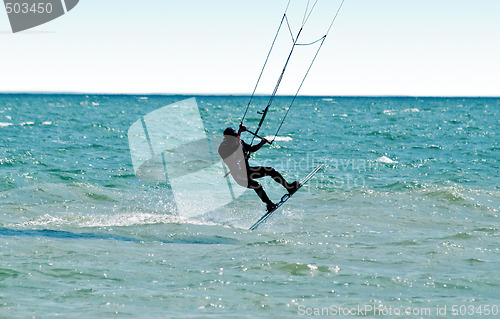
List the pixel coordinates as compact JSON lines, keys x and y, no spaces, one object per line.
{"x":404,"y":217}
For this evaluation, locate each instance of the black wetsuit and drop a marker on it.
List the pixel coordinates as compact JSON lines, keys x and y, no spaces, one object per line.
{"x":244,"y":174}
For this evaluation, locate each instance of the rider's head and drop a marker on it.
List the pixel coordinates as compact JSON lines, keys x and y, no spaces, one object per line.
{"x":230,"y":132}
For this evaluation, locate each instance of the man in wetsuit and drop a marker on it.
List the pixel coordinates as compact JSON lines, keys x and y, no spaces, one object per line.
{"x":235,"y":153}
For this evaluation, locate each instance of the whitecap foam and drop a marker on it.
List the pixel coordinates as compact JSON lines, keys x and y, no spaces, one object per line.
{"x":5,"y":124}
{"x":115,"y":220}
{"x":413,"y":110}
{"x":330,"y":100}
{"x":386,"y":160}
{"x":280,"y":138}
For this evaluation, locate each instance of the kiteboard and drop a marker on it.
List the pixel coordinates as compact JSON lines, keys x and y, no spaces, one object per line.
{"x":285,"y":198}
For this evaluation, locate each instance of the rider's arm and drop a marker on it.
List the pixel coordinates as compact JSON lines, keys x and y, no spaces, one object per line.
{"x":256,"y":147}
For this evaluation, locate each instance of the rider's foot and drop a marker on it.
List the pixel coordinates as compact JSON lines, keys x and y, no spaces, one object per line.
{"x":271,"y":206}
{"x":292,"y":187}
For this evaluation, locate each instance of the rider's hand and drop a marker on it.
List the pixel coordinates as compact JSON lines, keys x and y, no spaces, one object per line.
{"x":264,"y":140}
{"x":243,"y":128}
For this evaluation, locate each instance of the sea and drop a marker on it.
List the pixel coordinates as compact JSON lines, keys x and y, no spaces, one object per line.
{"x":402,"y":220}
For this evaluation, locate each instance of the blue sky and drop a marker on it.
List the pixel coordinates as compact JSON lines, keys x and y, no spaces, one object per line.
{"x":384,"y":47}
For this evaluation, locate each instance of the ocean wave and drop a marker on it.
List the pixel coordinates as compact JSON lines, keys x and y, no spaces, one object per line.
{"x":448,"y":193}
{"x":105,"y":220}
{"x":330,"y":100}
{"x":392,"y":112}
{"x":6,"y":182}
{"x":475,"y":200}
{"x":28,"y":123}
{"x":194,"y":239}
{"x":300,"y":269}
{"x":460,"y":235}
{"x":390,"y":134}
{"x":431,"y":146}
{"x":403,"y":186}
{"x":411,"y":110}
{"x":340,"y":115}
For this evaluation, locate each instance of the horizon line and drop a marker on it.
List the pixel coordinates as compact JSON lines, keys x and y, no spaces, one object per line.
{"x":237,"y":94}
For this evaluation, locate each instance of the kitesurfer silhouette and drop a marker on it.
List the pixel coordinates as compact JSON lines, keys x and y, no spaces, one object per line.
{"x":235,"y":153}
